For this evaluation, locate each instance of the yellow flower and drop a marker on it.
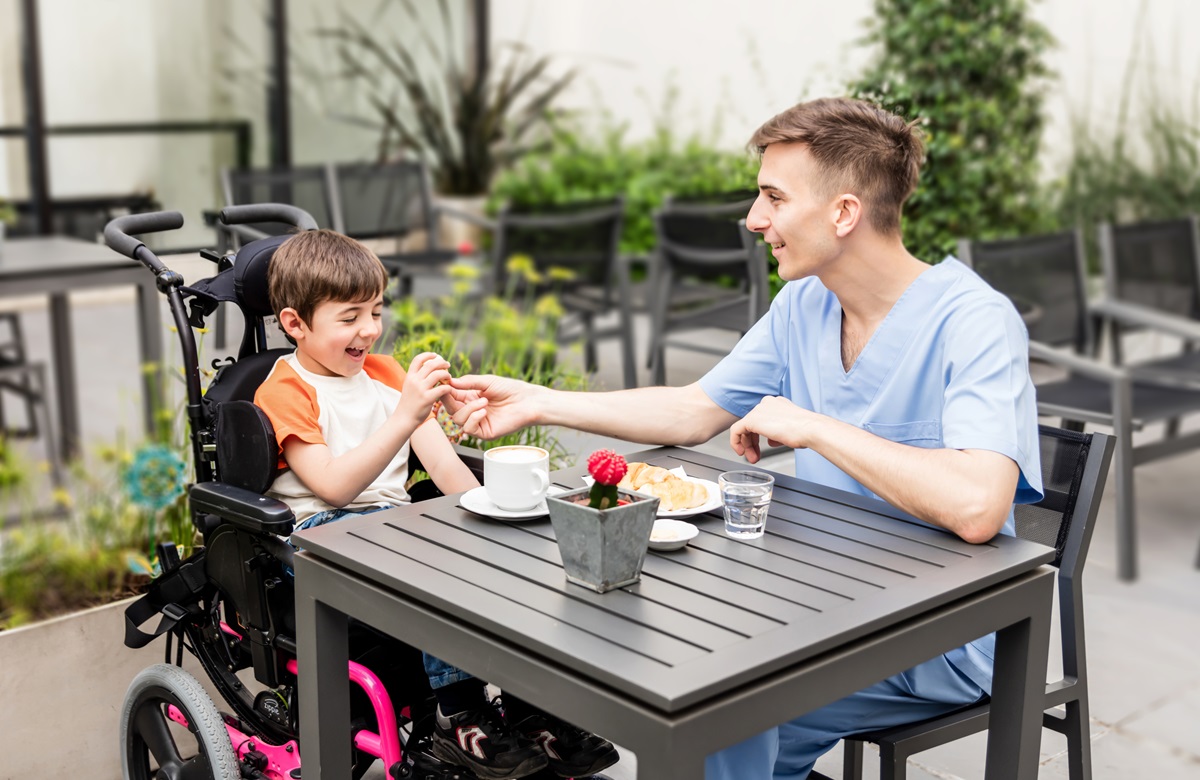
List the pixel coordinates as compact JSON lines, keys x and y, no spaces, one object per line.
{"x":559,"y":274}
{"x":61,"y":497}
{"x":463,"y":272}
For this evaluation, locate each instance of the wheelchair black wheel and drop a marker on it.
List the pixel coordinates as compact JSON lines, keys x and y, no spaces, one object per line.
{"x":200,"y":751}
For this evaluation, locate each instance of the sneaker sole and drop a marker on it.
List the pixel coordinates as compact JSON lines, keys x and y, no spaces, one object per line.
{"x":450,"y":754}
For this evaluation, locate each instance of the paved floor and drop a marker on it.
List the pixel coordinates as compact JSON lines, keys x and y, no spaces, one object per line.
{"x":1142,"y":637}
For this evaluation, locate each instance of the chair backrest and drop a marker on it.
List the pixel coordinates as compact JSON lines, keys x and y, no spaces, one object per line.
{"x":1156,"y":264}
{"x":1046,"y":271}
{"x":1074,"y":470}
{"x":306,"y":187}
{"x":583,"y":237}
{"x":385,"y":200}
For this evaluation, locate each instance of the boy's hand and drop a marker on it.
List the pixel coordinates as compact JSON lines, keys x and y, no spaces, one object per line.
{"x":427,"y":381}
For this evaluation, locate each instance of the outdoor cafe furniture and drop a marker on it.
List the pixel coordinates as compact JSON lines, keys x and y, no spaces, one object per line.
{"x":1074,"y":469}
{"x":582,"y":238}
{"x":56,"y":267}
{"x":1049,"y":270}
{"x":709,"y":272}
{"x":717,"y":642}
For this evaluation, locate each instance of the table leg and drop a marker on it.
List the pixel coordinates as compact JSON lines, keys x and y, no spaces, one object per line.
{"x":151,"y":350}
{"x":63,"y":353}
{"x":323,"y":655}
{"x":1019,"y":691}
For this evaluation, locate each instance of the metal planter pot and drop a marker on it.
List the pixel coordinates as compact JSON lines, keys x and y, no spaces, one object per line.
{"x":602,"y":549}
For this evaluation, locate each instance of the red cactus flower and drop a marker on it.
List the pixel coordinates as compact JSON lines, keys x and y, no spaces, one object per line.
{"x":607,"y":468}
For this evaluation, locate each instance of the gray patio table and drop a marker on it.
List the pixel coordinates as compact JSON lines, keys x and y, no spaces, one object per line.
{"x":57,"y":266}
{"x":716,"y":643}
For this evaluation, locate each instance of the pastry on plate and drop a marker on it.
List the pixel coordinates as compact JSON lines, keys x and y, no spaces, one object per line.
{"x":673,"y":493}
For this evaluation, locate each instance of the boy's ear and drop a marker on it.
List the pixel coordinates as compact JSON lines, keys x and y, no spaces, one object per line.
{"x":289,"y":320}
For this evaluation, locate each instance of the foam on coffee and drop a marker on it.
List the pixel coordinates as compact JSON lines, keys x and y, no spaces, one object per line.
{"x":515,"y":454}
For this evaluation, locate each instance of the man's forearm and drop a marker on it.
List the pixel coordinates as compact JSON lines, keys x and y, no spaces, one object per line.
{"x":968,"y":492}
{"x":647,"y":415}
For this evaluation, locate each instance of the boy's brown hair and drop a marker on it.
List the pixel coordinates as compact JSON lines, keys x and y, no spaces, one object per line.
{"x":859,"y":148}
{"x":322,"y":265}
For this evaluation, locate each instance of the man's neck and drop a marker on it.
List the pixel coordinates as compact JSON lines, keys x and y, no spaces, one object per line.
{"x":870,"y":277}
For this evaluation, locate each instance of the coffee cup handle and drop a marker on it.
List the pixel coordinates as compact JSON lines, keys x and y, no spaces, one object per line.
{"x":542,"y":479}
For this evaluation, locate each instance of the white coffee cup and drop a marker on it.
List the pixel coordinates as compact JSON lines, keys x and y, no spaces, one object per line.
{"x":516,"y":477}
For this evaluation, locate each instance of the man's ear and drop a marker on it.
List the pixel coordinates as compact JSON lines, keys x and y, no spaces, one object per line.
{"x":289,"y":320}
{"x":849,"y":211}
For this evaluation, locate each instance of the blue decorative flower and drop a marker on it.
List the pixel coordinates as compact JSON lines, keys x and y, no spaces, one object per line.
{"x":156,"y":477}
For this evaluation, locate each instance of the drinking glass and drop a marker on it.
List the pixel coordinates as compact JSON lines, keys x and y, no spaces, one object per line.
{"x":747,"y":497}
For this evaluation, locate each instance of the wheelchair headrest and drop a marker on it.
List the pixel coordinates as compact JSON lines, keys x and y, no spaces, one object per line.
{"x":245,"y":283}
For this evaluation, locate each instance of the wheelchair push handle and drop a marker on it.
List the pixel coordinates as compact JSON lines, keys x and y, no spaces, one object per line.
{"x":119,"y":233}
{"x":268,"y":212}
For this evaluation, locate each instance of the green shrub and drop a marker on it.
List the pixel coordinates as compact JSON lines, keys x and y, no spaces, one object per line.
{"x":581,"y":166}
{"x":971,"y":72}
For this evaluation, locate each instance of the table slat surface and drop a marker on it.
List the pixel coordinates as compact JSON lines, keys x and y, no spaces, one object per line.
{"x":703,"y":620}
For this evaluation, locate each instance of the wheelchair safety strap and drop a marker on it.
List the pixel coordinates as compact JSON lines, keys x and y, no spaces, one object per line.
{"x":172,"y":594}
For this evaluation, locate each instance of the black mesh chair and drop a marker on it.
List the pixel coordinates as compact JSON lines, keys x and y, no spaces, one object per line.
{"x":582,"y":238}
{"x":395,"y":201}
{"x":1048,"y":272}
{"x":24,"y":381}
{"x":1074,"y":467}
{"x":306,"y":187}
{"x":710,"y":272}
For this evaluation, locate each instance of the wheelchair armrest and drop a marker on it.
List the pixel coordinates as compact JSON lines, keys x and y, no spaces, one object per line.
{"x":246,"y":509}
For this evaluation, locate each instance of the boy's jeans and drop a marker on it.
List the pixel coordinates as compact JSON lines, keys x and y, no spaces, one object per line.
{"x":440,"y":673}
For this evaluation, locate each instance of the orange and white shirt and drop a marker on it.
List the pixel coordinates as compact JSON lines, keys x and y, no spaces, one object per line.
{"x":339,"y":412}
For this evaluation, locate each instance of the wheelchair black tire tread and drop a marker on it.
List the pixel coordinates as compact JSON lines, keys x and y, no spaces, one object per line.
{"x":197,"y":706}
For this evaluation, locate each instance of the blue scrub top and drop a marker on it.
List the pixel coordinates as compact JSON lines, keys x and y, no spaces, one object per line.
{"x":947,"y":368}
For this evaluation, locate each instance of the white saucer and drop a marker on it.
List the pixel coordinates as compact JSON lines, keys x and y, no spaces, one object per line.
{"x":477,"y":501}
{"x":673,"y":534}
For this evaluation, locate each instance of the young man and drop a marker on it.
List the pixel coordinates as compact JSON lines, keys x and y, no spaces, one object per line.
{"x":344,"y":420}
{"x":888,"y":377}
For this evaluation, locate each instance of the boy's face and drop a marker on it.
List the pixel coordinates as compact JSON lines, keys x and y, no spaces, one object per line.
{"x":339,"y":336}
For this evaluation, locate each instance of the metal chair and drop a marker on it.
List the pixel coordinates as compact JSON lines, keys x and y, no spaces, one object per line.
{"x":307,"y":187}
{"x":1048,"y":271}
{"x":26,"y":381}
{"x":582,"y":238}
{"x":1074,"y":468}
{"x":395,"y":201}
{"x":711,"y":272}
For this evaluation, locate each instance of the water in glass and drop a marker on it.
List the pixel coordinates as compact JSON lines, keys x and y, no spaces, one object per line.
{"x":747,"y":497}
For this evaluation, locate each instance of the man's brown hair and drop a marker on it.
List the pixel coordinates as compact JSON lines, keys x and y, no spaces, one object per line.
{"x":322,"y":265}
{"x":858,"y":147}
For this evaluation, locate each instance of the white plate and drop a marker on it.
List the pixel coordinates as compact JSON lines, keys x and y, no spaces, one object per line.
{"x":713,"y":502}
{"x":673,"y":534}
{"x":477,"y":501}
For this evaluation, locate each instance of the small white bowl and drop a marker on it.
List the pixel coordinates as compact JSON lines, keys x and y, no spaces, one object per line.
{"x":671,"y":534}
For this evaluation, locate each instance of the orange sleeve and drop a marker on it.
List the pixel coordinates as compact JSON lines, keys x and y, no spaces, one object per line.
{"x":386,"y":369}
{"x":291,"y":405}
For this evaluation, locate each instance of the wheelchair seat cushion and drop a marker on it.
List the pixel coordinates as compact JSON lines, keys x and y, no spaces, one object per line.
{"x":247,"y":453}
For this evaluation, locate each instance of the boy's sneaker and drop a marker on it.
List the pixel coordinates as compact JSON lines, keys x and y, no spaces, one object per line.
{"x":572,"y":752}
{"x":479,"y":740}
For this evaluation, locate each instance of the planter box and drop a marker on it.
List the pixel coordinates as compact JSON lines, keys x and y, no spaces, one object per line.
{"x":602,"y":549}
{"x":62,"y":682}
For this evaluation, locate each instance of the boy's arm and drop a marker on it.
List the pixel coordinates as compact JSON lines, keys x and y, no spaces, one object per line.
{"x":438,"y":457}
{"x":339,"y":480}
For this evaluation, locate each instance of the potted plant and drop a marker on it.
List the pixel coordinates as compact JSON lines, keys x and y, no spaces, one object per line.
{"x":603,"y":531}
{"x":465,"y":123}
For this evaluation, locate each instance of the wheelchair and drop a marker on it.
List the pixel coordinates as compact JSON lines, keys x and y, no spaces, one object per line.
{"x":231,"y":603}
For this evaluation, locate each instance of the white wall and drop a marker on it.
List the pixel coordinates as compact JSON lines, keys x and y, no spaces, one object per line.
{"x":733,"y":65}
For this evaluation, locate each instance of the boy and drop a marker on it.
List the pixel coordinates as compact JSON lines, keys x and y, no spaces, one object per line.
{"x":344,"y":420}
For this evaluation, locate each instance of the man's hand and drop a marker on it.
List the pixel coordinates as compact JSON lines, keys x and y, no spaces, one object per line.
{"x":778,"y":419}
{"x":491,"y":406}
{"x":427,"y":381}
